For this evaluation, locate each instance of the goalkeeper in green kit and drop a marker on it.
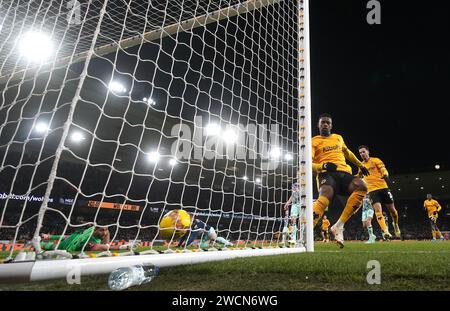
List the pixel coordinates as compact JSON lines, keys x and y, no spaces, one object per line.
{"x":92,"y":239}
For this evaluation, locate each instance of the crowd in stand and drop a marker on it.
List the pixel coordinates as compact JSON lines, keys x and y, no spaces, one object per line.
{"x":413,"y":221}
{"x":414,"y":224}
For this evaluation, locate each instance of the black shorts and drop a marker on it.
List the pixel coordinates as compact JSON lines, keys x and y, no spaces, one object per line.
{"x":340,"y":181}
{"x":325,"y":231}
{"x":383,"y":196}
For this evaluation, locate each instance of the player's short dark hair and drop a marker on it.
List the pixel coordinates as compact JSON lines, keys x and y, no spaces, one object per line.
{"x":325,"y":115}
{"x":363,"y":147}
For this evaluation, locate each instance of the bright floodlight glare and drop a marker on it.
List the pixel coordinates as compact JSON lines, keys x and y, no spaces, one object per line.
{"x":275,"y":153}
{"x":212,"y":129}
{"x":437,"y":166}
{"x":36,"y":46}
{"x":41,"y":127}
{"x":258,"y":180}
{"x":172,"y":162}
{"x":77,"y":137}
{"x":117,"y":87}
{"x":153,"y":156}
{"x":288,"y":157}
{"x":245,"y":177}
{"x":229,"y":136}
{"x":149,"y":101}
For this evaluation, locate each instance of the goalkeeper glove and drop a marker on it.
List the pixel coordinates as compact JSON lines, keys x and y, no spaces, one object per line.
{"x":364,"y":171}
{"x":329,"y":167}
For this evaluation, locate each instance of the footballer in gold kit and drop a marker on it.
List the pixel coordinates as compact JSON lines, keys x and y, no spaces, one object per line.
{"x":334,"y":176}
{"x":379,"y":193}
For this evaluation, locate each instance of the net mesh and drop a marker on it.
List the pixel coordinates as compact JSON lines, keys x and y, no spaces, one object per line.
{"x":158,"y":105}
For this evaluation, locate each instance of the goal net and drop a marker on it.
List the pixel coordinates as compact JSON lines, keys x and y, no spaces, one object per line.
{"x":114,"y":113}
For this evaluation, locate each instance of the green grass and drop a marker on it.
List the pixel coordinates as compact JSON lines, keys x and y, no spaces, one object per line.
{"x":408,"y":265}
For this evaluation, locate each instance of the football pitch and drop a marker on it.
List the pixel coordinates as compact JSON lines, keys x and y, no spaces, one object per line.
{"x":403,"y":265}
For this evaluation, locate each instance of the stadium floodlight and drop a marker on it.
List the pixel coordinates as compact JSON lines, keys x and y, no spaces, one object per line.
{"x":437,"y":166}
{"x":230,"y":136}
{"x":41,"y":127}
{"x":36,"y":46}
{"x":288,"y":157}
{"x":212,"y":129}
{"x":232,"y":30}
{"x":172,"y":162}
{"x":149,"y":101}
{"x":77,"y":137}
{"x":275,"y":153}
{"x":417,"y":178}
{"x":153,"y":156}
{"x":117,"y":87}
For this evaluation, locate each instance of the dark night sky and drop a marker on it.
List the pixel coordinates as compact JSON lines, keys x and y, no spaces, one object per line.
{"x":385,"y":85}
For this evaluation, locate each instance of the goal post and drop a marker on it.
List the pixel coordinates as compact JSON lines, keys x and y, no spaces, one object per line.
{"x":114,"y":113}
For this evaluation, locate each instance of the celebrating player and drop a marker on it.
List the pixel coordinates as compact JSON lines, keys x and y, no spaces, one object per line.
{"x":329,"y":155}
{"x":294,"y":201}
{"x":324,"y":231}
{"x":379,"y":192}
{"x":367,"y":215}
{"x":91,"y":239}
{"x":433,"y":207}
{"x":209,"y":235}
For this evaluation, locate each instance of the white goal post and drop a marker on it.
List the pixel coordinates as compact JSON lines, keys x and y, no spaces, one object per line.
{"x":114,"y":113}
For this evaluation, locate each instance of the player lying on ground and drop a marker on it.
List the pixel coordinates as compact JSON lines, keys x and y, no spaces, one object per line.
{"x":334,"y":176}
{"x":367,"y":215}
{"x":324,"y":229}
{"x":379,"y":192}
{"x":209,"y":235}
{"x":90,"y":239}
{"x":433,"y":207}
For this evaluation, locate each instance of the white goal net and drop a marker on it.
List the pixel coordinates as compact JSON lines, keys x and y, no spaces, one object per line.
{"x":115,"y":112}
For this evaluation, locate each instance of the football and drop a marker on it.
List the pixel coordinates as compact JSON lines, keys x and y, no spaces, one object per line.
{"x":174,"y":224}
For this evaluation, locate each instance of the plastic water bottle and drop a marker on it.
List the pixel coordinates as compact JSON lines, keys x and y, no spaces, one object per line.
{"x":126,"y":277}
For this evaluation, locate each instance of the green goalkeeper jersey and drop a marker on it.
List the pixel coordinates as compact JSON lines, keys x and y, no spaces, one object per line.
{"x":76,"y":241}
